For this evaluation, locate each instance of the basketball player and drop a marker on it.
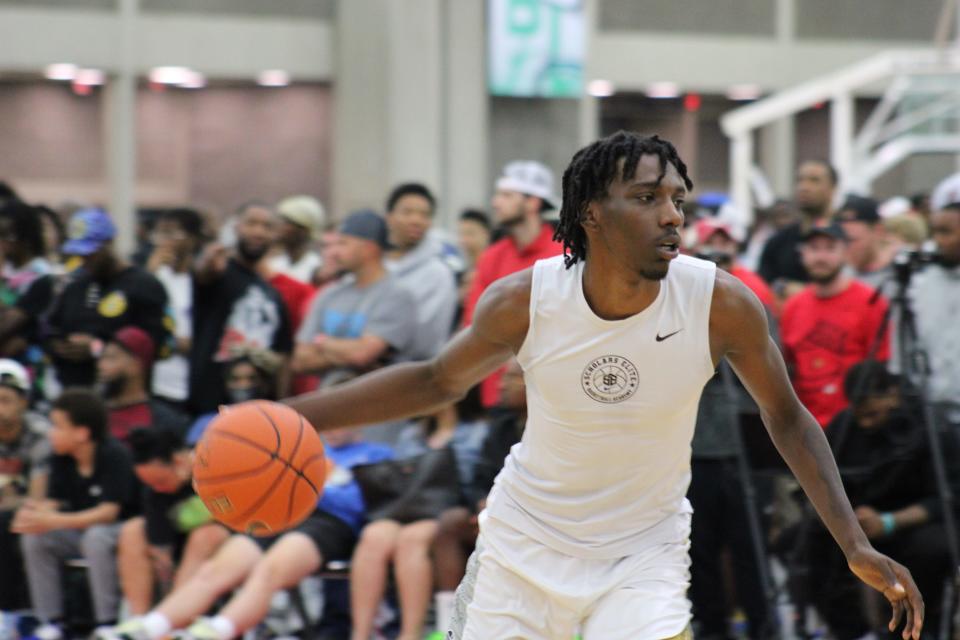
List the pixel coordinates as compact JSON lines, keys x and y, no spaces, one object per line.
{"x":587,"y":525}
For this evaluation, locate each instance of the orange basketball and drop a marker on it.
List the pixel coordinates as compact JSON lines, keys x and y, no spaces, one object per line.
{"x":259,"y":467}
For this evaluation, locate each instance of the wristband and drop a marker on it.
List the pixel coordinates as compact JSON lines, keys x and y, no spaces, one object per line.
{"x":889,"y":523}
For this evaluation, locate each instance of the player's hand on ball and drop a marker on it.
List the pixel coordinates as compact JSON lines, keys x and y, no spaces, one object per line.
{"x":894,"y":581}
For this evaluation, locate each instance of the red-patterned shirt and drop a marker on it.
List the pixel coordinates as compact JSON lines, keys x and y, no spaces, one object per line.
{"x":501,"y":259}
{"x":823,"y":337}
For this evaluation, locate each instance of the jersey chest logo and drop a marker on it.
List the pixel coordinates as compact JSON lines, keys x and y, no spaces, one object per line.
{"x":610,"y":379}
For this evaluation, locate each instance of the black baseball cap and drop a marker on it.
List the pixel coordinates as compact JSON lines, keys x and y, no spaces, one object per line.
{"x":368,"y":225}
{"x":830,"y":230}
{"x":858,"y":209}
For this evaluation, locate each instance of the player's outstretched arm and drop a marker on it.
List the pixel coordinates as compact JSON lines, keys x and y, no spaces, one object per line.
{"x":499,"y":327}
{"x":738,"y":331}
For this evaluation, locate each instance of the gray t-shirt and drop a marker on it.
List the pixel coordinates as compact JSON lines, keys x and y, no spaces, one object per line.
{"x":384,"y":309}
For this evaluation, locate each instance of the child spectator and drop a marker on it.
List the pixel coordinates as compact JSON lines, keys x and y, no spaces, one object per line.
{"x":167,"y":544}
{"x":266,"y":565}
{"x":92,"y":489}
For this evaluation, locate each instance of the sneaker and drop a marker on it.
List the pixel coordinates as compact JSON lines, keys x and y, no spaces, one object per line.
{"x":131,"y":629}
{"x":48,"y":631}
{"x":199,"y":630}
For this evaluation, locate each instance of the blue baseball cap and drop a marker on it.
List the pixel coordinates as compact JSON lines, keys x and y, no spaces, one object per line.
{"x":368,"y":225}
{"x":89,"y":229}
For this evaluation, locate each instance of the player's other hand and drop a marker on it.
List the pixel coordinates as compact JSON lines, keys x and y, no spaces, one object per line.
{"x":894,"y":581}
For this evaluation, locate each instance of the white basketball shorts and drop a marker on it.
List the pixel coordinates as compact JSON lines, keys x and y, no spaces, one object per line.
{"x":515,"y":587}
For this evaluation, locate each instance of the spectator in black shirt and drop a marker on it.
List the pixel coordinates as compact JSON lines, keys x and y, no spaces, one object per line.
{"x":176,"y":533}
{"x":780,"y":262}
{"x":235,"y":307}
{"x":107,"y":295}
{"x":888,"y":472}
{"x":92,"y":489}
{"x":26,"y":284}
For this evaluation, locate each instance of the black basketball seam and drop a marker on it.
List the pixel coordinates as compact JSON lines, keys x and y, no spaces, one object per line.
{"x":266,"y":494}
{"x":299,"y":471}
{"x":273,"y":424}
{"x":273,"y":456}
{"x":262,"y":449}
{"x":236,"y":475}
{"x":293,"y":454}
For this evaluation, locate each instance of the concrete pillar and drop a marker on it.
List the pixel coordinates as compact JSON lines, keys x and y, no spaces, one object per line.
{"x":778,"y":142}
{"x":841,"y":137}
{"x":120,"y":127}
{"x":741,"y":164}
{"x":361,"y":157}
{"x":410,"y":102}
{"x":465,"y":181}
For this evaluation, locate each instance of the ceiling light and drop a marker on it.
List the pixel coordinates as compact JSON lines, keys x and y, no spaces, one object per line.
{"x":60,"y":71}
{"x":170,"y":75}
{"x":600,"y":88}
{"x":743,"y":92}
{"x":663,"y":90}
{"x":273,"y":78}
{"x":195,"y":80}
{"x":89,"y":77}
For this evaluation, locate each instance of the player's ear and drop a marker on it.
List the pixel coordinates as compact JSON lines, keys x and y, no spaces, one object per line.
{"x":589,"y":216}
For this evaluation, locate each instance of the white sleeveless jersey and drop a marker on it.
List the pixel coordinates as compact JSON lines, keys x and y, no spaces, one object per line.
{"x":604,"y":463}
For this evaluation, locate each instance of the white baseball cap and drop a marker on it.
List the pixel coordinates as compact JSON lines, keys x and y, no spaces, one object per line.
{"x":304,"y":211}
{"x":13,"y":375}
{"x":530,"y":178}
{"x":947,"y":192}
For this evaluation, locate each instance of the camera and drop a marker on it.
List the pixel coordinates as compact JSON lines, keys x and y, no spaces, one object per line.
{"x":908,"y":261}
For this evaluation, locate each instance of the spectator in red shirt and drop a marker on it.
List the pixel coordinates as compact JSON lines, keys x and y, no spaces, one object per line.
{"x":830,"y":325}
{"x":123,"y":372}
{"x":523,"y":193}
{"x":716,"y":241}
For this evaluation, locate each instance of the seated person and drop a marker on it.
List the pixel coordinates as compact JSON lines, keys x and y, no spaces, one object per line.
{"x":458,"y":526}
{"x":261,"y":567}
{"x":123,"y":374}
{"x":92,"y":489}
{"x":406,"y":544}
{"x":250,"y":374}
{"x":175,"y":534}
{"x":24,"y":470}
{"x":887,"y":468}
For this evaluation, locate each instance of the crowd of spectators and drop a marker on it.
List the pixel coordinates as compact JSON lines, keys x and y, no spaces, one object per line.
{"x":112,"y":366}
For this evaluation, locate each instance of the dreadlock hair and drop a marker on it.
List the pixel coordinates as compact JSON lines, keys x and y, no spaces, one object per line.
{"x":590,"y":173}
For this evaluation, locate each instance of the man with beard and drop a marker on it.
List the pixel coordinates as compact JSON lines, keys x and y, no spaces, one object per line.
{"x":830,"y":325}
{"x":109,"y":293}
{"x":523,"y":194}
{"x":780,"y":263}
{"x":123,"y":372}
{"x":235,"y":306}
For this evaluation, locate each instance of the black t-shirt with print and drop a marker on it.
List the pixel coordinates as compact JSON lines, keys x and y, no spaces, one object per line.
{"x":780,"y":259}
{"x":131,"y":297}
{"x":112,"y":480}
{"x":237,"y":308}
{"x":159,"y":512}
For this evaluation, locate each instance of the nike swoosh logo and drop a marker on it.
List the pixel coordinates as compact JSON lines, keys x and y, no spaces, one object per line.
{"x":661,"y":338}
